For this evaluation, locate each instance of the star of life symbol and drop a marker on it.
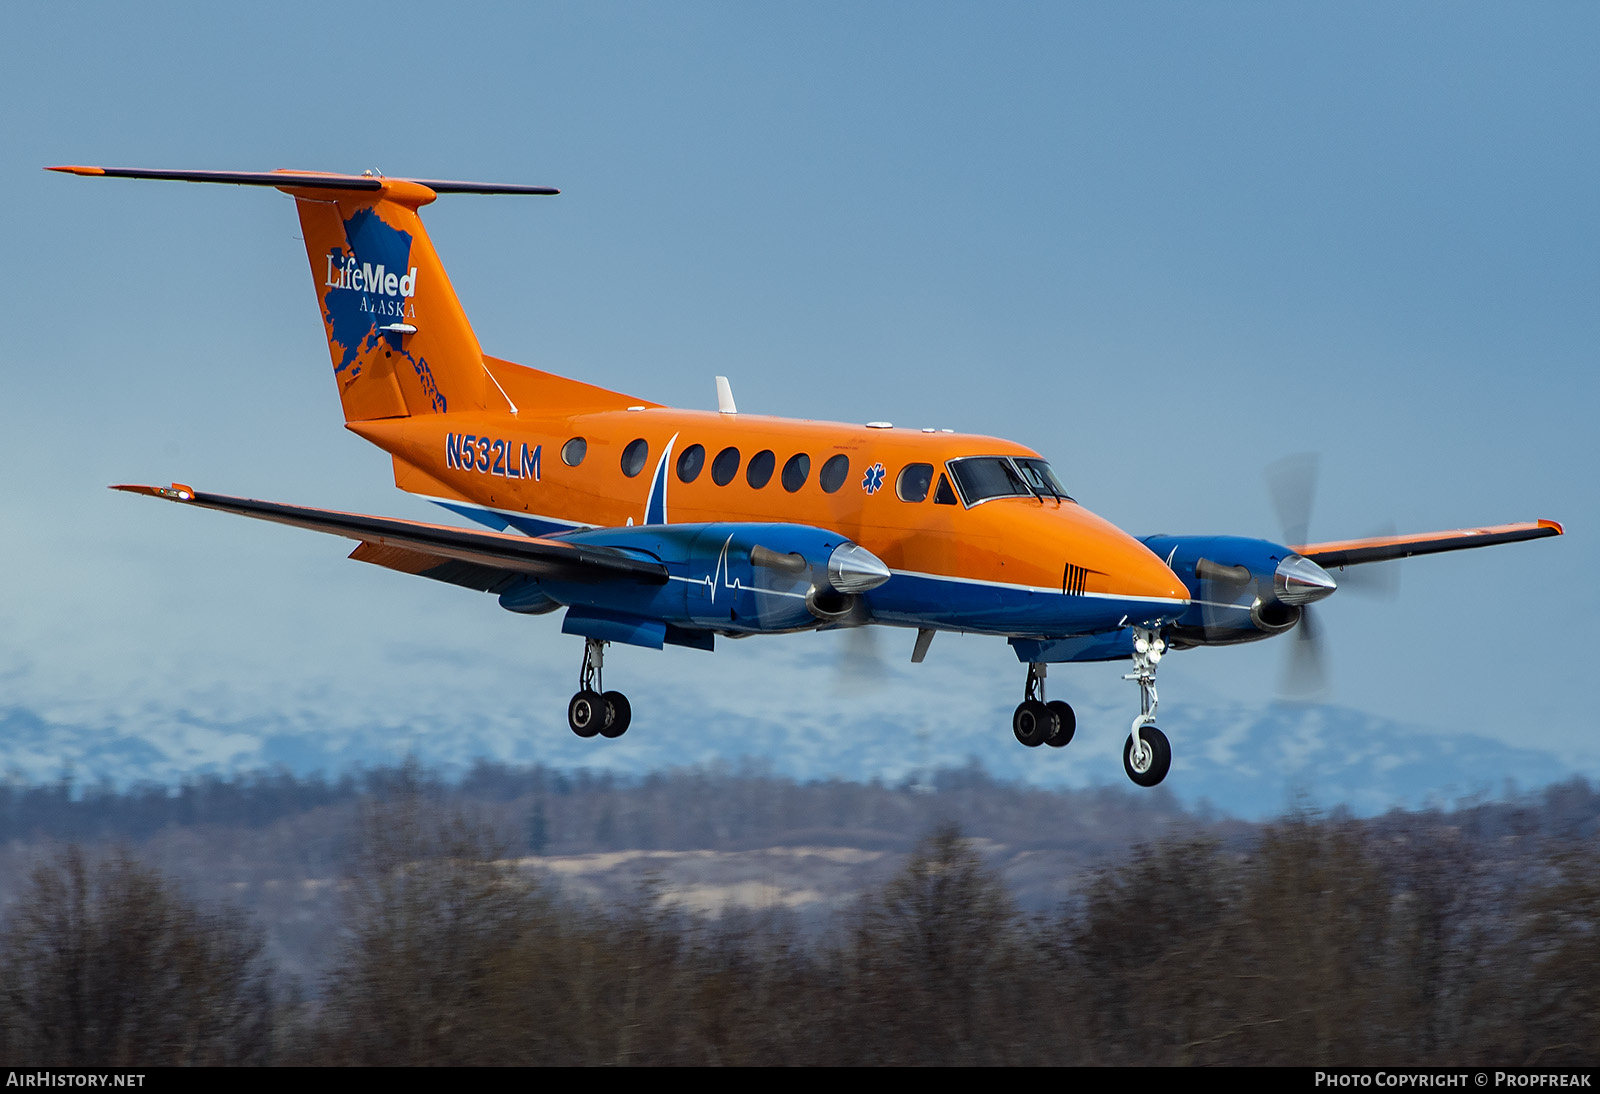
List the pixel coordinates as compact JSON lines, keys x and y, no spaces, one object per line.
{"x":872,"y":481}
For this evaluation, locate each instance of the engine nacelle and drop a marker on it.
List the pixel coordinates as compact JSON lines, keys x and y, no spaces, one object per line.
{"x":1241,"y":590}
{"x":726,"y":578}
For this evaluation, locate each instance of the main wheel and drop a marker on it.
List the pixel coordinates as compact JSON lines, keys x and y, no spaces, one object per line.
{"x":1033,"y":722}
{"x":1066,"y":724}
{"x":586,"y":713}
{"x":1155,"y":758}
{"x":619,"y":712}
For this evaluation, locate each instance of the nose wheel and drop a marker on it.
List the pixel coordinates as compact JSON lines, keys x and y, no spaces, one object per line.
{"x":1147,"y":763}
{"x":1036,"y":722}
{"x":592,"y":711}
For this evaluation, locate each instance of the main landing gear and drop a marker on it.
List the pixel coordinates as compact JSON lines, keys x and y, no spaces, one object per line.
{"x":1146,"y":755}
{"x":1036,"y":722}
{"x":592,"y":711}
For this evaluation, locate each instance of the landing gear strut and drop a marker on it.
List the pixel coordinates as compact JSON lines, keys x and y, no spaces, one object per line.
{"x":1147,"y":755}
{"x":592,"y":711}
{"x":1036,"y":722}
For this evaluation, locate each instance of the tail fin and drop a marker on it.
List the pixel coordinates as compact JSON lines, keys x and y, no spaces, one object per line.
{"x":399,"y":341}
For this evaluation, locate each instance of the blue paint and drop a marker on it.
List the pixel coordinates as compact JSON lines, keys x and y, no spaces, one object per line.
{"x":352,"y":313}
{"x":527,"y":598}
{"x":655,"y":506}
{"x":369,"y":286}
{"x":1112,"y":646}
{"x":872,"y":481}
{"x":615,"y":627}
{"x":1220,"y":614}
{"x":655,"y":509}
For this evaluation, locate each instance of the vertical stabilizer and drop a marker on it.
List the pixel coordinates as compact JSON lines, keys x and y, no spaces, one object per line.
{"x":399,"y":342}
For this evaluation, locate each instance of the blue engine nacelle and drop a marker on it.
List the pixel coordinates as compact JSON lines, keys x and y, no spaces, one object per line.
{"x":733,"y":579}
{"x":1241,"y":590}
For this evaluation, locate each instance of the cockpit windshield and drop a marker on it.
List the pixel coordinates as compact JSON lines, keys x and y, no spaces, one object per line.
{"x":983,"y":477}
{"x":1041,"y":478}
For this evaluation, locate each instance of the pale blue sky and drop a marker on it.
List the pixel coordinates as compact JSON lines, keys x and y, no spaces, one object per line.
{"x":1164,"y":244}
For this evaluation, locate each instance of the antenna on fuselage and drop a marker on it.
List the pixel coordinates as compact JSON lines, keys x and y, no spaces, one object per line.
{"x":725,"y":396}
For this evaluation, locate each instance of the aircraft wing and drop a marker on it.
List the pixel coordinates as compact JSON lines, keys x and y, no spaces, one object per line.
{"x":1349,"y":552}
{"x":487,"y":561}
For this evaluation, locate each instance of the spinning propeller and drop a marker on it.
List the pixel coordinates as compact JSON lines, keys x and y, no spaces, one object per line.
{"x":1292,"y":486}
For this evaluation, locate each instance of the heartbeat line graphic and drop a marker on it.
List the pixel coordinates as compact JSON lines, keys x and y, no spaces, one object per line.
{"x":721,"y":573}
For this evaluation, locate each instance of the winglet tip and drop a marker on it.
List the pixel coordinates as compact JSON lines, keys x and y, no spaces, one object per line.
{"x":1554,"y":526}
{"x":176,"y":492}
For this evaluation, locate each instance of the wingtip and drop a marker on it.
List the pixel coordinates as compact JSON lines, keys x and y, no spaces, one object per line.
{"x":1554,"y":526}
{"x":176,"y":492}
{"x":70,"y":169}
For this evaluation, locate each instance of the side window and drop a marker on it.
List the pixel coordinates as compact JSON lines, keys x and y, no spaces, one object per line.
{"x":833,"y":473}
{"x":796,"y":471}
{"x":634,"y":455}
{"x":725,"y":466}
{"x":759,"y":473}
{"x":913,"y":483}
{"x":573,"y":451}
{"x":691,"y":462}
{"x":942,"y":494}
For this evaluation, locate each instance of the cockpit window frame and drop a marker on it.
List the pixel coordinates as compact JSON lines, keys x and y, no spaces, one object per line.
{"x":1028,"y":490}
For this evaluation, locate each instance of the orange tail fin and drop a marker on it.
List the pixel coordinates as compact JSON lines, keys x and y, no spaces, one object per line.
{"x":400,"y":343}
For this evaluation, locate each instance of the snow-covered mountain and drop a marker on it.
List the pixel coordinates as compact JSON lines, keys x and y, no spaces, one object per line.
{"x":1241,"y":761}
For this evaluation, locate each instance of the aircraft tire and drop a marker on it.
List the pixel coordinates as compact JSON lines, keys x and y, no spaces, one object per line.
{"x":1066,"y":724}
{"x":619,"y":714}
{"x":1032,"y":722}
{"x":586,"y":713}
{"x":1160,"y":763}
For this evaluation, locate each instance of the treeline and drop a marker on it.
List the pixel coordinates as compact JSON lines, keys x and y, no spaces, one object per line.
{"x":1315,"y":941}
{"x":575,"y":812}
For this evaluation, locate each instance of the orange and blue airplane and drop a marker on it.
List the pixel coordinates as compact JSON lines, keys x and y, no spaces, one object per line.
{"x":651,"y":525}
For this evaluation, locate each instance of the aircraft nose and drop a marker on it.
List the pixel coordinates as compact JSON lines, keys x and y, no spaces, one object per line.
{"x":1132,"y":569}
{"x":1144,"y":575}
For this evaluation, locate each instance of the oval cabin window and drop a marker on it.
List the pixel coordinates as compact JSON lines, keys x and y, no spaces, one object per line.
{"x":725,"y":466}
{"x":759,"y":473}
{"x":573,"y":452}
{"x":833,"y":473}
{"x":913,"y":483}
{"x":796,"y":471}
{"x":634,"y":455}
{"x":691,"y":462}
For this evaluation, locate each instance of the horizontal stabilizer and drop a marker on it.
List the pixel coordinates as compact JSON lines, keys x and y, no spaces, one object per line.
{"x":305,"y":180}
{"x":498,"y":551}
{"x":1350,"y":552}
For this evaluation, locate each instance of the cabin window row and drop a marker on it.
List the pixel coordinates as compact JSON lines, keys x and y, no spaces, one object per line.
{"x":981,"y":477}
{"x":912,"y":484}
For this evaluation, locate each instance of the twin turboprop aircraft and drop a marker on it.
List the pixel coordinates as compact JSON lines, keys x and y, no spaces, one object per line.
{"x":650,"y":525}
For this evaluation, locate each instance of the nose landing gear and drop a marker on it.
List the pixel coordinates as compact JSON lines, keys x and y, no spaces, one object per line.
{"x":592,"y":711}
{"x":1147,"y":755}
{"x":1036,"y":722}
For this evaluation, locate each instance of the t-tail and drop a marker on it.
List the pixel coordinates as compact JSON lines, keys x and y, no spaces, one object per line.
{"x":397,"y":336}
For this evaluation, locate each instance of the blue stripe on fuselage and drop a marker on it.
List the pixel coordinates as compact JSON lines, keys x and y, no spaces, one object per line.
{"x":921,"y":600}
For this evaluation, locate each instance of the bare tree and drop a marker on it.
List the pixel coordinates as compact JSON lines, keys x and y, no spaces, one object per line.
{"x":107,"y":964}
